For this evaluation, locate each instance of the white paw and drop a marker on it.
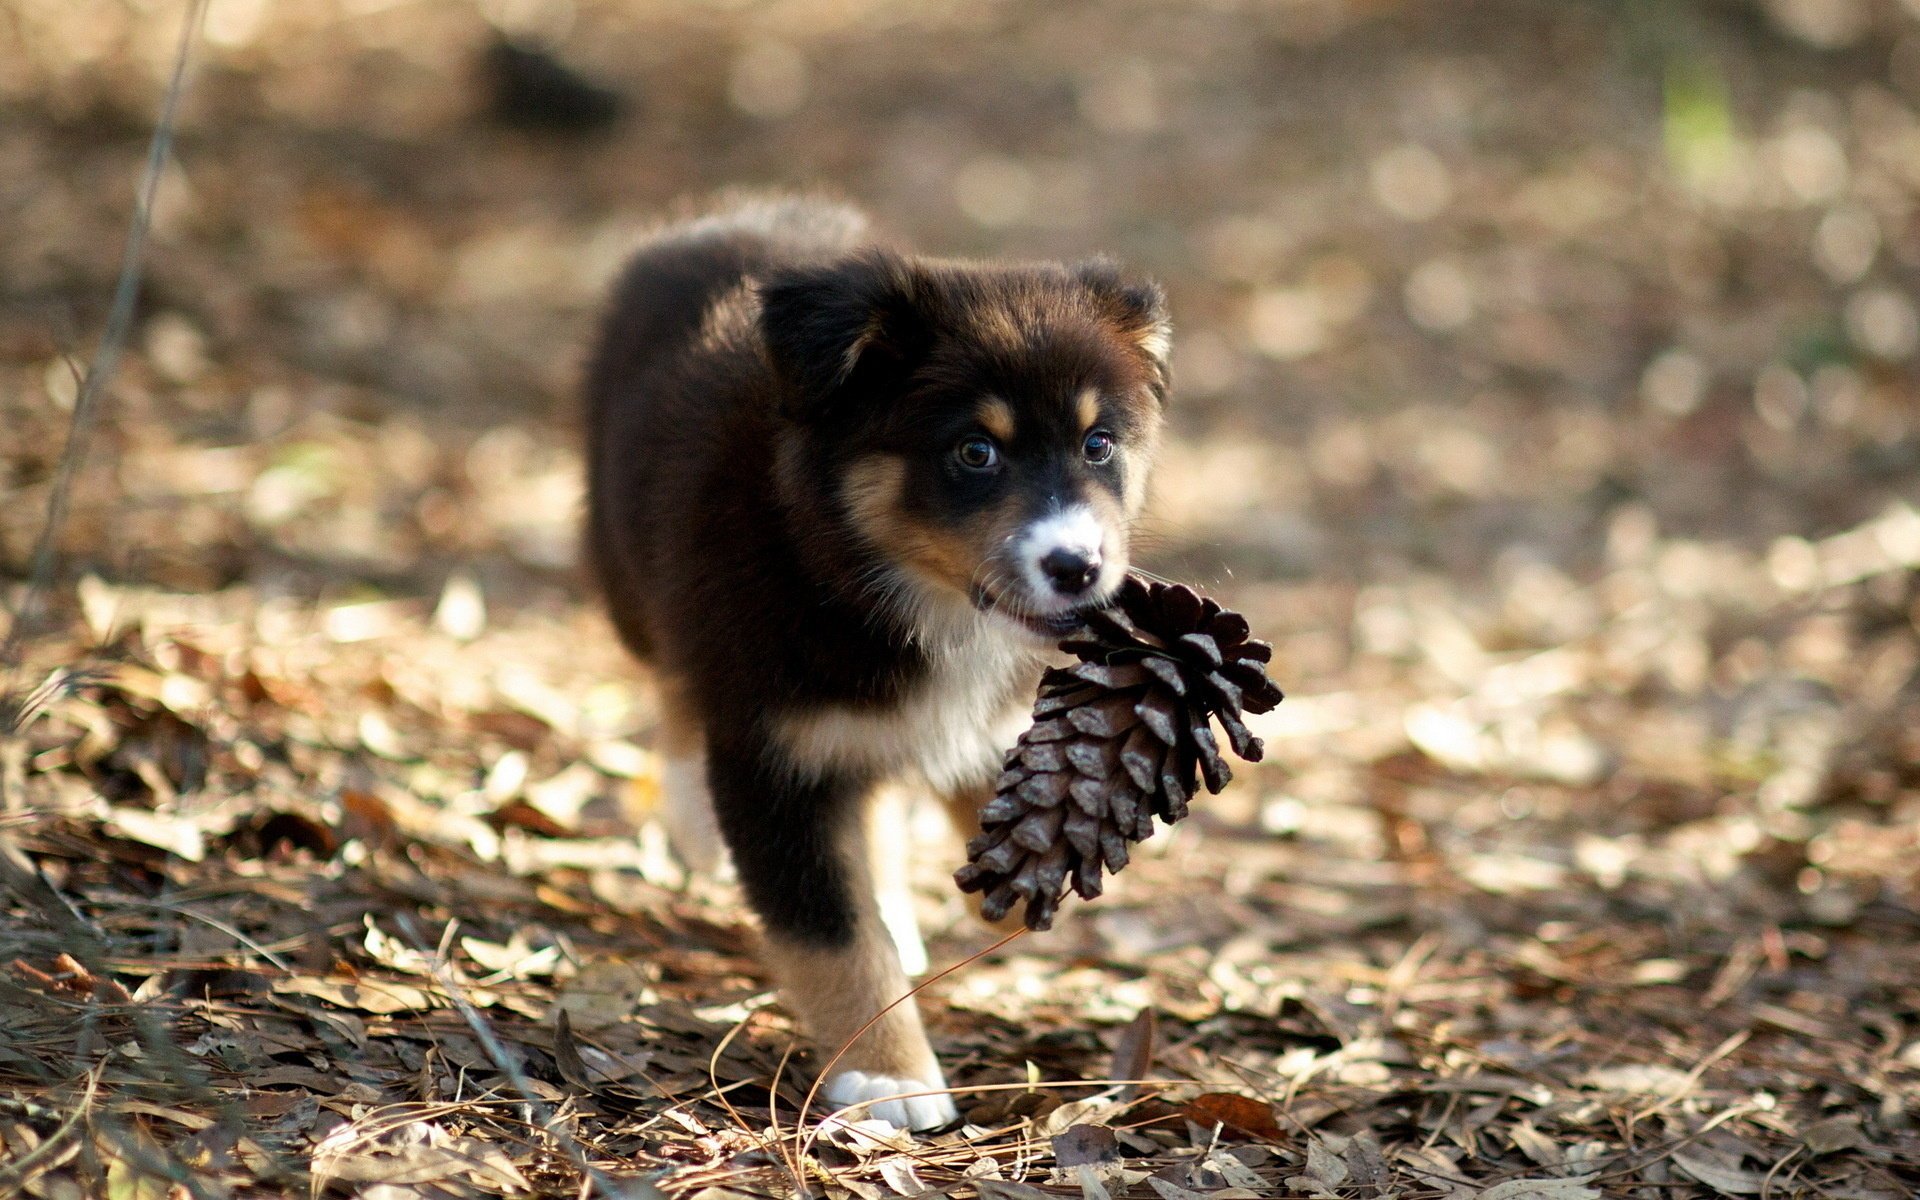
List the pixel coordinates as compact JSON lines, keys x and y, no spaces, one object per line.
{"x":891,"y":1101}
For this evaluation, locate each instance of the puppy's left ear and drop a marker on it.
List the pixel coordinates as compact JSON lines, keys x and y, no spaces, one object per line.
{"x":840,"y":331}
{"x":1137,"y":308}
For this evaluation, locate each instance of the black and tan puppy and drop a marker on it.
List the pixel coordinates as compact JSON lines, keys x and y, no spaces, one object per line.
{"x":844,"y":500}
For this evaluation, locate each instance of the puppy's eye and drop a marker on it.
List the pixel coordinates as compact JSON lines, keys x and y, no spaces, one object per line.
{"x":1098,"y":447}
{"x":977,"y":454}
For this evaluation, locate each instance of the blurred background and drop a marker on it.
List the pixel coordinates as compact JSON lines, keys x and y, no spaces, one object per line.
{"x":1547,"y":389}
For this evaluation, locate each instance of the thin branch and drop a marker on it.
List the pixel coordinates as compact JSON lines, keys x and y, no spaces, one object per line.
{"x":106,"y":357}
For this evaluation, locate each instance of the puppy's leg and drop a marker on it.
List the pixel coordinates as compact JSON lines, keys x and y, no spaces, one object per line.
{"x":686,"y":802}
{"x":801,"y":850}
{"x":890,"y":838}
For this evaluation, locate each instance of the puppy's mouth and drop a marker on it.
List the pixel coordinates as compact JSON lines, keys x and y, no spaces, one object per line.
{"x":1051,"y":626}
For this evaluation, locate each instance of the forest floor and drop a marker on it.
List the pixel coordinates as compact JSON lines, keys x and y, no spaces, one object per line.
{"x":1546,"y":391}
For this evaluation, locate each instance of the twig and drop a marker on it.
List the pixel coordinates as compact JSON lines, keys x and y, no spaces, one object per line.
{"x":15,"y":1176}
{"x":106,"y":357}
{"x":1766,"y":1185}
{"x":215,"y":923}
{"x":16,"y":871}
{"x":1693,"y":1077}
{"x":713,"y":1074}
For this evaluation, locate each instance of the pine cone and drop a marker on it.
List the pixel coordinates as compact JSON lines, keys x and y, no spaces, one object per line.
{"x":1116,"y":741}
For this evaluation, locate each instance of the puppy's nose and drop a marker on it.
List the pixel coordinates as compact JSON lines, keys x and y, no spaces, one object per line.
{"x":1071,"y":571}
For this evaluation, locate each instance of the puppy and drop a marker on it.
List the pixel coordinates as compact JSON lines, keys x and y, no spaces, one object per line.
{"x":844,"y":501}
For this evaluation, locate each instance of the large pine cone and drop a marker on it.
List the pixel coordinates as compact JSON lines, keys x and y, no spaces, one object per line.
{"x":1116,"y":741}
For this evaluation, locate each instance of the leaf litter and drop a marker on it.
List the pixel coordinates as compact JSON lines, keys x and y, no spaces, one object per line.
{"x":1561,"y":440}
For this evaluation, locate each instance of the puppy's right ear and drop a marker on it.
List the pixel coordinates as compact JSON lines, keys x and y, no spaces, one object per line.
{"x":839,"y":331}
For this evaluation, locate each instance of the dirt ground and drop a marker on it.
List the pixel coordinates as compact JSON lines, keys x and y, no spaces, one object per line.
{"x":1547,"y":391}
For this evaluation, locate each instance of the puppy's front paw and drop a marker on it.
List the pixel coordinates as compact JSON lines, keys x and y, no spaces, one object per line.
{"x":891,"y":1102}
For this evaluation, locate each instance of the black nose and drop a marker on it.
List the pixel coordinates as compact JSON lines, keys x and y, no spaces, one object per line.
{"x":1071,"y":571}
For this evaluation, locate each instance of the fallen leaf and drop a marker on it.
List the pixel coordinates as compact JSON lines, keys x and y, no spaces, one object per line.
{"x":1638,"y":1079}
{"x":1001,"y":1189}
{"x":1090,"y":1186}
{"x":1541,"y":1189}
{"x":606,"y":991}
{"x":1235,"y":1172}
{"x":1834,"y":1134}
{"x":1727,"y":1180}
{"x":175,"y":835}
{"x":518,"y":814}
{"x":1323,"y":1165}
{"x":1085,"y":1144}
{"x":1236,"y":1114}
{"x":380,"y":997}
{"x":1133,"y":1051}
{"x":1169,"y":1190}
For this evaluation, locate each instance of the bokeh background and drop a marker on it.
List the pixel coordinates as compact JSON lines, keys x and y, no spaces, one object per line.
{"x":1547,"y":389}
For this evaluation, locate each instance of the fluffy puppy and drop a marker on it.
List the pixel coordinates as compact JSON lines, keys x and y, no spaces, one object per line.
{"x":843,"y":500}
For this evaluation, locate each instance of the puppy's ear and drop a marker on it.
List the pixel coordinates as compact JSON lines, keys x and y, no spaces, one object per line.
{"x":1137,"y":308}
{"x":841,"y":330}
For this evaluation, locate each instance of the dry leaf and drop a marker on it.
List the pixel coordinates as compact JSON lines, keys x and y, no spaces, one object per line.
{"x":606,"y":991}
{"x":1703,"y":1165}
{"x":1639,"y":1079}
{"x":381,"y":997}
{"x":1541,"y":1189}
{"x":1081,"y":1145}
{"x":1235,"y":1172}
{"x":1323,"y":1165}
{"x":1090,"y":1186}
{"x":899,"y":1175}
{"x":1000,"y":1189}
{"x":1236,"y":1115}
{"x":1133,"y":1051}
{"x":1834,"y":1134}
{"x":174,"y":834}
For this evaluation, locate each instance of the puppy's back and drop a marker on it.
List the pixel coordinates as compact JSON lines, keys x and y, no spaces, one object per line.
{"x":656,"y":397}
{"x":667,"y":287}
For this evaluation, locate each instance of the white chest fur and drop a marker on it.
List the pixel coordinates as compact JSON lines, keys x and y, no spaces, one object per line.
{"x":953,"y":728}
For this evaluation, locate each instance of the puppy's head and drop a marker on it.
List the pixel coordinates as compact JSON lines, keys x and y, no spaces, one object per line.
{"x":984,"y":431}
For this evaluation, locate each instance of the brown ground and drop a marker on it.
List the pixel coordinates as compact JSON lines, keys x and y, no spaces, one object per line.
{"x":1548,"y":395}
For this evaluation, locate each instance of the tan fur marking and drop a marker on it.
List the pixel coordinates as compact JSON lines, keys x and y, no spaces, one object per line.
{"x":952,"y":560}
{"x":1106,"y":509}
{"x":729,"y":319}
{"x":867,"y":337}
{"x":996,"y":417}
{"x":1087,"y":404}
{"x":835,"y":991}
{"x":959,"y":554}
{"x":872,"y":494}
{"x":1139,"y":463}
{"x":1155,"y":339}
{"x":994,"y":326}
{"x":680,"y":732}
